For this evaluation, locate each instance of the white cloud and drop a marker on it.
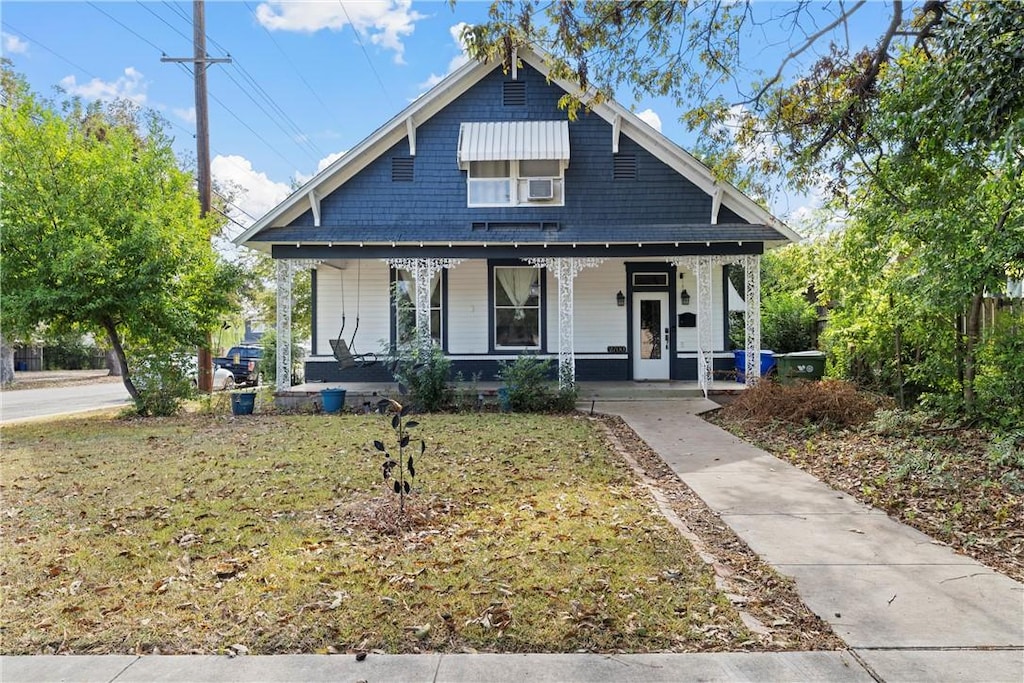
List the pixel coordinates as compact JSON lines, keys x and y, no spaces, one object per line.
{"x":14,"y":45}
{"x":250,"y":190}
{"x":649,"y":117}
{"x":458,"y":60}
{"x":385,"y":22}
{"x":131,"y":86}
{"x":302,"y":178}
{"x":187,"y":115}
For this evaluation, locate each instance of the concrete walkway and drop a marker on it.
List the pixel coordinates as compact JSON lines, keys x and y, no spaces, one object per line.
{"x":910,"y":609}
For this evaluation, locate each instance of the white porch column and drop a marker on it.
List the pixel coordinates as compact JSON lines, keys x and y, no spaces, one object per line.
{"x":705,"y":338}
{"x":752,"y":319}
{"x":285,"y":277}
{"x":701,"y":267}
{"x":565,"y":271}
{"x":423,"y":271}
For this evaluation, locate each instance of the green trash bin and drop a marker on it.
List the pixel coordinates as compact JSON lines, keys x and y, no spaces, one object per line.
{"x":808,"y":365}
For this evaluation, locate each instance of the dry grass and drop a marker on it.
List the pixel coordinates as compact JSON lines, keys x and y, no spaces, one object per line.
{"x":195,"y":533}
{"x":830,"y":402}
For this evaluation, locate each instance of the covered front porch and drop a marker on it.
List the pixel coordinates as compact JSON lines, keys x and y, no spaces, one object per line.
{"x":667,"y":313}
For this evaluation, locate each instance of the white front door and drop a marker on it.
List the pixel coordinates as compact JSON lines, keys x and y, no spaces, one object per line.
{"x":651,"y":356}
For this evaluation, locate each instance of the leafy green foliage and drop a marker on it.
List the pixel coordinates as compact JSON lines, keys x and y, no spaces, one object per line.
{"x":1000,"y":380}
{"x":163,"y":381}
{"x":530,"y":388}
{"x":425,"y":375}
{"x":101,"y":229}
{"x":787,"y":323}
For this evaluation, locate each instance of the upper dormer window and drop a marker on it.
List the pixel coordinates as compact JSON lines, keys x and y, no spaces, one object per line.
{"x":514,"y":163}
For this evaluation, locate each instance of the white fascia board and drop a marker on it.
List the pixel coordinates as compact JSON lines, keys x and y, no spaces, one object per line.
{"x":669,"y":153}
{"x":360,"y":156}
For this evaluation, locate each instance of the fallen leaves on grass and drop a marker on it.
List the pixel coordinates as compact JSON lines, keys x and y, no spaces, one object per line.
{"x":961,"y":486}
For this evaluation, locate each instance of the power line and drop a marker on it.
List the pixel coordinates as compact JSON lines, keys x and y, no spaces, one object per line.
{"x":52,"y":52}
{"x":125,"y":26}
{"x":297,"y":71}
{"x":367,"y":55}
{"x":167,"y":23}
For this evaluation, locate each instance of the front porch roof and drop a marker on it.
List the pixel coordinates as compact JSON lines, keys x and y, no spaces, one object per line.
{"x":538,"y":232}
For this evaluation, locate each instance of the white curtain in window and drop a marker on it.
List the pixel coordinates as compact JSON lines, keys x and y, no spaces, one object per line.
{"x":518,"y":285}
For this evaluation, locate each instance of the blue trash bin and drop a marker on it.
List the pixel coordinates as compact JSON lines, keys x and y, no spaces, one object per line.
{"x":243,"y":403}
{"x":333,"y":399}
{"x":767,"y":363}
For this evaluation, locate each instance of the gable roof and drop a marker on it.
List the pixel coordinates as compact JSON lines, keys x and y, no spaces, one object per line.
{"x":460,"y":81}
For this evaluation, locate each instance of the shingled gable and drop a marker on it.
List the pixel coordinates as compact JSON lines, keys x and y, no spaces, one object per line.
{"x":757,"y":224}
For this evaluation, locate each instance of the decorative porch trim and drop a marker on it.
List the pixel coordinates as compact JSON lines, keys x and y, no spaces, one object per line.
{"x":701,"y":266}
{"x":286,"y":269}
{"x":565,"y":270}
{"x":752,"y":319}
{"x":423,"y":271}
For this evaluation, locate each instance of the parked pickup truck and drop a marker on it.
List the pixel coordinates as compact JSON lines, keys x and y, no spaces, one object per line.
{"x":244,"y":364}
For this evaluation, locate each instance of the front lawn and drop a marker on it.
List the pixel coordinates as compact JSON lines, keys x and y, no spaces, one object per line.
{"x":274,"y":534}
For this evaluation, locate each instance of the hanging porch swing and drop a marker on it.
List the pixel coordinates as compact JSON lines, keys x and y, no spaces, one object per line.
{"x":345,"y":352}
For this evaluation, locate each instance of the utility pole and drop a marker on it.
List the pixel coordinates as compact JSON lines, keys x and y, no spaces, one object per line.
{"x":199,"y":62}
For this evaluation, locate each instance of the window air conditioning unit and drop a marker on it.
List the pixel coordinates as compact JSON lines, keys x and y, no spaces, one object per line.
{"x":538,"y":189}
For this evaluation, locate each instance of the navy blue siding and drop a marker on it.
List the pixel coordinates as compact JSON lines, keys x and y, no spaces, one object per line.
{"x":436,"y":199}
{"x":587,"y":370}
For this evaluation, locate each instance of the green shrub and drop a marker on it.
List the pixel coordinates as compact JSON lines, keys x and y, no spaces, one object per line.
{"x":787,"y":323}
{"x":163,"y":380}
{"x":425,"y":375}
{"x":999,"y":383}
{"x":530,"y":388}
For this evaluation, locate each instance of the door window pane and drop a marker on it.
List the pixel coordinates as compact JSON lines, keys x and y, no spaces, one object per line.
{"x":650,"y":329}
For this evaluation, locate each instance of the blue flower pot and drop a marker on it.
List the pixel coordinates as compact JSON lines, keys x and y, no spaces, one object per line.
{"x":333,"y":400}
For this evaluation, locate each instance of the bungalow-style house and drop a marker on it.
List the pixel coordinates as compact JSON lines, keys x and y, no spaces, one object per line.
{"x":502,"y":228}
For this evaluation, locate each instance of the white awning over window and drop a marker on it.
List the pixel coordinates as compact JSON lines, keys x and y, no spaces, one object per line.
{"x":513,"y":140}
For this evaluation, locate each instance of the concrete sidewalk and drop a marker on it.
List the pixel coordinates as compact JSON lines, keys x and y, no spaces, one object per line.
{"x":910,"y":608}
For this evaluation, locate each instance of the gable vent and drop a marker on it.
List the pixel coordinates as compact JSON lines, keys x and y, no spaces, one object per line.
{"x":513,"y":93}
{"x":401,"y":169}
{"x":624,"y":167}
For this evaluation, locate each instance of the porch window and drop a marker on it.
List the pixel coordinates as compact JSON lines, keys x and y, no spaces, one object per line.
{"x":404,"y":310}
{"x":517,"y":307}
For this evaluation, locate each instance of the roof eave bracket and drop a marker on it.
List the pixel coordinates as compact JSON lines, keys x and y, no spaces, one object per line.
{"x":716,"y":203}
{"x":410,"y":127}
{"x":616,"y":129}
{"x":314,"y":205}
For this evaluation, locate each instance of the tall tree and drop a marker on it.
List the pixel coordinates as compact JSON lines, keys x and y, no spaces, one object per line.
{"x":100,"y":228}
{"x":940,"y":222}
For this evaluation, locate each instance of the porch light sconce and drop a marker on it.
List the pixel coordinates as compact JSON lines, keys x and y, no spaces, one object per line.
{"x":684,"y":298}
{"x":620,"y":298}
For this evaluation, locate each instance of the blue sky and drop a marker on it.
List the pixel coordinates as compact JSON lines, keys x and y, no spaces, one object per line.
{"x":307,"y":81}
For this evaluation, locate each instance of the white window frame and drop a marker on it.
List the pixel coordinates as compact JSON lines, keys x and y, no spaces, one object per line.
{"x":517,"y":185}
{"x":539,"y":307}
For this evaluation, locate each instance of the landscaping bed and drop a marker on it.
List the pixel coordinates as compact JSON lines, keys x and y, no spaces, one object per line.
{"x":962,"y":486}
{"x":274,"y":534}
